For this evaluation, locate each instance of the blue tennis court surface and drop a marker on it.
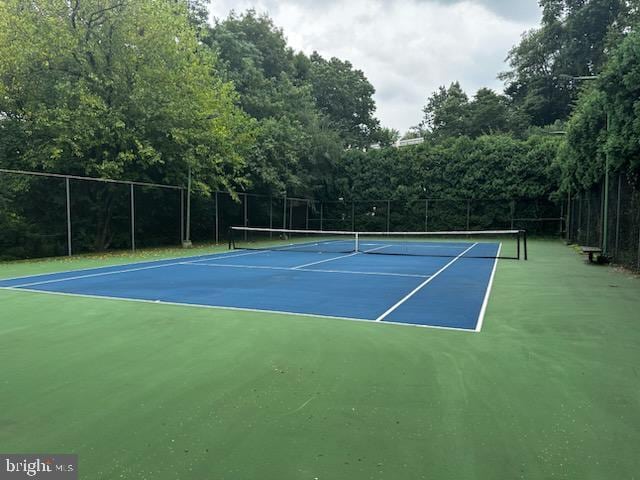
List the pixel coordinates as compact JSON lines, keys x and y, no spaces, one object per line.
{"x":449,"y":291}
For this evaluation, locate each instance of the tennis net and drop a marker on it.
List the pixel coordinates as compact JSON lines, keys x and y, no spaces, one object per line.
{"x":507,"y":244}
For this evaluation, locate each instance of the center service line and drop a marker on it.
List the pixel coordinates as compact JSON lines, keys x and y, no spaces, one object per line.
{"x":419,"y":287}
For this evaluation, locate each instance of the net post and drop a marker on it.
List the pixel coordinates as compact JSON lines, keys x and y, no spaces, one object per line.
{"x":524,"y":239}
{"x":133,"y":220}
{"x":307,"y":216}
{"x":357,"y":249}
{"x":468,"y":213}
{"x":321,"y":215}
{"x":231,"y":239}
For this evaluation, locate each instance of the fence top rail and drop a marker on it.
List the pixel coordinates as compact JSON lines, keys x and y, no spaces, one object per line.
{"x":434,"y":199}
{"x":90,"y":179}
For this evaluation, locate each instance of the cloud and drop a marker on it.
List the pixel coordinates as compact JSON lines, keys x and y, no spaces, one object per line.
{"x":407,"y":49}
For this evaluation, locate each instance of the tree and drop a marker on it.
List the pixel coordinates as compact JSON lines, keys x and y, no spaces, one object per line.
{"x":620,"y":85}
{"x":345,"y":96}
{"x":296,"y":143}
{"x":571,"y":41}
{"x":446,"y":112}
{"x":387,"y":137}
{"x":116,"y":89}
{"x":615,"y":94}
{"x":449,"y":113}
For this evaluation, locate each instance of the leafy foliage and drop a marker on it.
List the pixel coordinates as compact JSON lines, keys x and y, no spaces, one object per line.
{"x":571,"y":41}
{"x":616,"y":97}
{"x":450,"y":113}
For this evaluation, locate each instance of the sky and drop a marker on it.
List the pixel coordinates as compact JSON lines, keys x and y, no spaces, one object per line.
{"x":406,"y":48}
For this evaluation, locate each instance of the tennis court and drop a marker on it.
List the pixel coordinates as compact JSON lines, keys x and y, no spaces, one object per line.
{"x":423,"y":281}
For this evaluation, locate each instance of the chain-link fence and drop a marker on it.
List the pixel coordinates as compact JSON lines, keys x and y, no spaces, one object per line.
{"x":590,"y":211}
{"x":43,"y":215}
{"x":50,"y":215}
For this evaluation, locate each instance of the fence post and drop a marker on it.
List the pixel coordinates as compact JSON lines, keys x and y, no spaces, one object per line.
{"x":353,"y":216}
{"x":270,"y":215}
{"x":567,"y":219}
{"x":217,"y":221}
{"x":513,"y":213}
{"x":589,"y":220}
{"x":68,"y":188}
{"x":290,"y":215}
{"x":246,"y":215}
{"x":133,"y":220}
{"x":426,"y":215}
{"x":468,"y":213}
{"x":181,"y":215}
{"x":307,"y":216}
{"x":615,"y":251}
{"x":388,"y":216}
{"x":284,"y":213}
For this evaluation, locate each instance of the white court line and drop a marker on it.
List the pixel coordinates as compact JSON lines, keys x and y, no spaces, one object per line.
{"x":233,"y":309}
{"x":141,"y":262}
{"x":485,"y":302}
{"x":115,"y":272}
{"x":419,"y":287}
{"x":337,"y":258}
{"x":324,"y":261}
{"x":292,"y":269}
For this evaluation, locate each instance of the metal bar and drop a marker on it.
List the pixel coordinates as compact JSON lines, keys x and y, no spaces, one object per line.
{"x":568,"y":219}
{"x":603,"y":224}
{"x":133,"y":220}
{"x":388,"y":216}
{"x":270,"y":215}
{"x":589,"y":220}
{"x":617,"y":241}
{"x":638,"y":266}
{"x":217,"y":221}
{"x":290,"y":215}
{"x":91,"y":179}
{"x":245,"y":203}
{"x":513,"y":212}
{"x":321,"y":215}
{"x":188,"y":233}
{"x":181,"y":216}
{"x":426,"y":215}
{"x":307,"y":218}
{"x":468,"y":213}
{"x":284,"y":213}
{"x":605,"y":221}
{"x":68,"y":188}
{"x":579,"y":225}
{"x":353,"y":216}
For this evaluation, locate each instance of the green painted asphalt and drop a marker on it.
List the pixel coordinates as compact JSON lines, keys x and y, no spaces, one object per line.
{"x":550,"y":389}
